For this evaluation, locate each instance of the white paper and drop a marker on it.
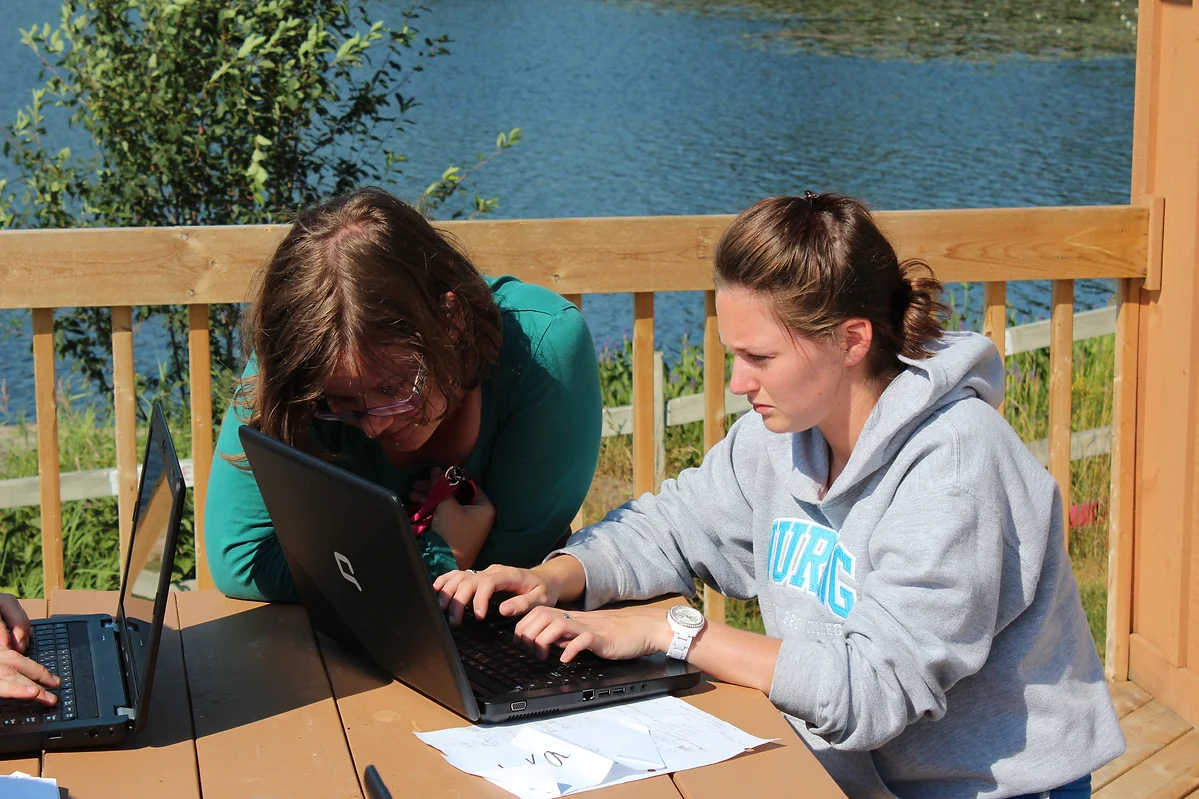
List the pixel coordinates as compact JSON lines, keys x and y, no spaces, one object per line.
{"x":20,"y":785}
{"x":574,"y":752}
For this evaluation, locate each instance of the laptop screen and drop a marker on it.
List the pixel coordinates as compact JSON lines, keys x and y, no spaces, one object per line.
{"x":150,"y":558}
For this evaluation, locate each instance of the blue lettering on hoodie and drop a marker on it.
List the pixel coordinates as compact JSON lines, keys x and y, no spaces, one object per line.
{"x":809,"y":557}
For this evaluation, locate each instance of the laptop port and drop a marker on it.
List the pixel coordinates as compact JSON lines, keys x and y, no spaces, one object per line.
{"x":588,"y":694}
{"x":616,"y":691}
{"x":604,"y":692}
{"x":518,"y":706}
{"x":54,"y":736}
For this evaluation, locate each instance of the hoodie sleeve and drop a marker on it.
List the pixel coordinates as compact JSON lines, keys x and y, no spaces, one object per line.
{"x":924,"y":619}
{"x":637,"y":551}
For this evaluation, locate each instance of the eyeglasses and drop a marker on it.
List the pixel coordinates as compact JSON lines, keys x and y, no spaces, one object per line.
{"x":409,"y":404}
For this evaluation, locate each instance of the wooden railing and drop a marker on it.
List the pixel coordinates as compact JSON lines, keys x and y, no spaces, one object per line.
{"x":121,"y":268}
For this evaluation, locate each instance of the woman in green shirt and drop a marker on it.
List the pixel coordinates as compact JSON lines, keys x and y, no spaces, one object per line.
{"x":375,"y":342}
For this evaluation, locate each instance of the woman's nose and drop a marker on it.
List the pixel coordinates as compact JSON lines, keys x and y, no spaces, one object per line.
{"x":373,"y":426}
{"x":739,"y":382}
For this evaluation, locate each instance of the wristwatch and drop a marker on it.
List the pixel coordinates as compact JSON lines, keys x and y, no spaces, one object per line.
{"x":686,"y":622}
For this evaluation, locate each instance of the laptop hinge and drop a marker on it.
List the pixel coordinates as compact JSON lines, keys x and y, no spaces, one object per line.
{"x":127,"y":712}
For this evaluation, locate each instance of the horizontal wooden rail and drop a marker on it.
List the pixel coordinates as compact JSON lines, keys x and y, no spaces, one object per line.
{"x":172,"y":265}
{"x":22,"y":492}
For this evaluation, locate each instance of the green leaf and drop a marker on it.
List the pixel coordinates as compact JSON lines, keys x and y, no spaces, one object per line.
{"x":262,"y":141}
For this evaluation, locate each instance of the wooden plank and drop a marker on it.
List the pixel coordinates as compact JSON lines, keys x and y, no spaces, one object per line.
{"x":125,"y":420}
{"x":790,"y":763}
{"x":200,"y":377}
{"x":265,"y":721}
{"x":659,"y":420}
{"x":576,"y":299}
{"x":1127,"y":696}
{"x":164,"y":265}
{"x":1061,"y":378}
{"x":158,"y":761}
{"x":1157,"y":243}
{"x":995,"y":318}
{"x":45,"y":389}
{"x":1175,"y":687}
{"x":1172,"y":773}
{"x":1036,"y":335}
{"x":1122,"y":508}
{"x":380,"y":716}
{"x":1147,"y":731}
{"x":30,"y":763}
{"x":714,"y":413}
{"x":643,"y":392}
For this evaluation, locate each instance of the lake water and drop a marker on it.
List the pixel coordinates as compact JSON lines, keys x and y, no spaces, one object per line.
{"x":629,"y":110}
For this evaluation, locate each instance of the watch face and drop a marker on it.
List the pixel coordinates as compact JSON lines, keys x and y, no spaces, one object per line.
{"x":687,"y":616}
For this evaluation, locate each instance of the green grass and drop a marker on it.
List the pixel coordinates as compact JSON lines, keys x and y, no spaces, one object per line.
{"x":90,"y":527}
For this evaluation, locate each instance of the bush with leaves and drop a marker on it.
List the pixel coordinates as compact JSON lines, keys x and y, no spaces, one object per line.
{"x":213,"y":112}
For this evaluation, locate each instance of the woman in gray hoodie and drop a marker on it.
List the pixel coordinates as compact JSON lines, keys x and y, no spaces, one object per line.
{"x":924,"y":633}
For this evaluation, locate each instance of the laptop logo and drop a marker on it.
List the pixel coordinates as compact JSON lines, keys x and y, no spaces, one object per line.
{"x":346,"y":568}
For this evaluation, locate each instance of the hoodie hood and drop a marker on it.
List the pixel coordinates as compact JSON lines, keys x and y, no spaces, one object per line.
{"x":962,"y":365}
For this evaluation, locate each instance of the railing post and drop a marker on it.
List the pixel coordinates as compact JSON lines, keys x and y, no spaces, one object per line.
{"x":579,"y":520}
{"x":1122,"y":499}
{"x":1061,"y":379}
{"x":643,"y":392}
{"x":714,"y":602}
{"x":124,"y":391}
{"x":659,"y":421}
{"x":200,"y":376}
{"x":47,"y":449}
{"x":995,"y":321}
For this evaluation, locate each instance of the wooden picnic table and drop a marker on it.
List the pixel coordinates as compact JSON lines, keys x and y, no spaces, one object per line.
{"x":249,"y":702}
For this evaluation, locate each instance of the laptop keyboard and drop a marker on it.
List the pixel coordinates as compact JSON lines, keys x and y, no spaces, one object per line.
{"x":64,"y":650}
{"x":487,"y":647}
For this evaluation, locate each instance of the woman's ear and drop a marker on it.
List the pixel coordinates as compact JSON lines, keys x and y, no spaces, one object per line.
{"x":855,"y":336}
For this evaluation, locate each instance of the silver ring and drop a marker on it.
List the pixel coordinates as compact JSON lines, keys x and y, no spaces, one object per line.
{"x":471,"y":571}
{"x":566,"y":616}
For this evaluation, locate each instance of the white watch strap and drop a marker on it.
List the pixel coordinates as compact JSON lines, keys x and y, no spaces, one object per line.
{"x":681,"y":645}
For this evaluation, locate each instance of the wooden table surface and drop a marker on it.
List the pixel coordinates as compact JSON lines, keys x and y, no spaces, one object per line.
{"x":248,"y":702}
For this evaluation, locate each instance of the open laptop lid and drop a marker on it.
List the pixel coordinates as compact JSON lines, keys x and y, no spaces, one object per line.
{"x":355,"y":562}
{"x":148,"y":564}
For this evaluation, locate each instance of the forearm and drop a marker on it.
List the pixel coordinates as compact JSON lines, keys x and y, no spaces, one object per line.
{"x":734,"y":656}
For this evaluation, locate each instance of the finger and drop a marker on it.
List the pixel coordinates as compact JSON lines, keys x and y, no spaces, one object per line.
{"x":6,"y":640}
{"x":523,"y":603}
{"x":531,"y":625}
{"x":11,"y":689}
{"x":583,"y":641}
{"x":483,"y":594}
{"x":29,"y":669}
{"x":445,"y":592}
{"x":441,"y":579}
{"x":555,"y":631}
{"x":462,"y":596}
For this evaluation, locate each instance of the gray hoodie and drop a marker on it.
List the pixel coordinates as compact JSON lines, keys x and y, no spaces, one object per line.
{"x":934,"y":644}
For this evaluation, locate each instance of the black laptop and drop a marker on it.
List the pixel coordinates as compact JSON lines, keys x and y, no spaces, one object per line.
{"x":361,"y":577}
{"x":106,"y":664}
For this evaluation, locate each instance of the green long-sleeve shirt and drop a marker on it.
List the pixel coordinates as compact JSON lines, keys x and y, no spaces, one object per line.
{"x":534,"y":457}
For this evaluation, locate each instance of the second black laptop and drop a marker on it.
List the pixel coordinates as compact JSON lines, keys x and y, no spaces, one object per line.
{"x":356,"y":565}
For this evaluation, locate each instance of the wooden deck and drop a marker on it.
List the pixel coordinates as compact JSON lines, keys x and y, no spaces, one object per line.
{"x":1162,"y":758}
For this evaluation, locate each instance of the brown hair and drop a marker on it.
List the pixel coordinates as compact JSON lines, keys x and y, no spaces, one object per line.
{"x":359,"y":277}
{"x":822,"y":260}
